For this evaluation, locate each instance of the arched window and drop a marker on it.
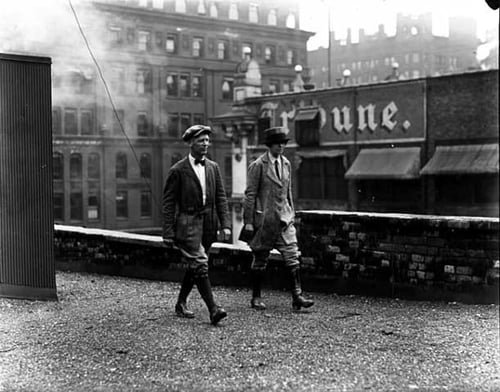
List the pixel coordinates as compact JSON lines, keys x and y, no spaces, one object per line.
{"x":180,"y":6}
{"x":233,"y":11}
{"x":145,"y":164}
{"x":58,"y":166}
{"x":94,"y":166}
{"x":121,"y":165}
{"x":75,"y":166}
{"x":272,"y":19}
{"x":214,"y":13}
{"x":290,"y":21}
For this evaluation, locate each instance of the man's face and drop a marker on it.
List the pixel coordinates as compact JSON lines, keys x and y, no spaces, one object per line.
{"x":199,"y":145}
{"x":277,"y":149}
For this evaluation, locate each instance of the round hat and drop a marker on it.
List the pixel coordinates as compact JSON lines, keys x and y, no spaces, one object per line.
{"x":276,"y":135}
{"x":195,"y":131}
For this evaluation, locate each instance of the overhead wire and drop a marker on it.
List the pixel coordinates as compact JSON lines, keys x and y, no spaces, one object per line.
{"x":110,"y":98}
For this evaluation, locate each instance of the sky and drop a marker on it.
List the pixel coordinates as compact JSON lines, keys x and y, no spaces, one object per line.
{"x":39,"y":18}
{"x":368,"y":14}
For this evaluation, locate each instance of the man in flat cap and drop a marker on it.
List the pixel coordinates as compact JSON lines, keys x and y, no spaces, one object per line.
{"x":194,"y":202}
{"x":269,"y":217}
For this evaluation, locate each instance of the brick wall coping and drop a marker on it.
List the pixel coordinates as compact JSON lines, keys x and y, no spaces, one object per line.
{"x":144,"y":239}
{"x":432,"y":220}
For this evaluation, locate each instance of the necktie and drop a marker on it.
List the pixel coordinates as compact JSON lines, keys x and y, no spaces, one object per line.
{"x":199,"y":161}
{"x":277,"y":168}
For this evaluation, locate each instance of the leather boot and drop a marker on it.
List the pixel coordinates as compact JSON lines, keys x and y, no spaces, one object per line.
{"x":217,"y":313}
{"x":298,"y":301}
{"x":257,"y":278}
{"x":187,"y":285}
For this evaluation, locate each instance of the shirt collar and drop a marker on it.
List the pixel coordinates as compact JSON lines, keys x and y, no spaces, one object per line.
{"x":192,"y":159}
{"x":273,"y":159}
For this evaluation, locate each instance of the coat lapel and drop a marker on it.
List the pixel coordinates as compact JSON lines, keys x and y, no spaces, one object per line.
{"x":270,"y":172}
{"x":188,"y":170}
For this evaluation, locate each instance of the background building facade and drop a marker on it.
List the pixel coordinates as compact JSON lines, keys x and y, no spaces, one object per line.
{"x":160,"y":67}
{"x":414,"y":47}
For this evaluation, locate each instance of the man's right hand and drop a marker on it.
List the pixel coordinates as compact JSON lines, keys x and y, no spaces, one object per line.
{"x":249,"y":227}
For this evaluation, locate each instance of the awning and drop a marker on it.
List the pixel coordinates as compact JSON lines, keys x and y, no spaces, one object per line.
{"x":400,"y":163}
{"x":320,"y":154}
{"x":306,"y":114}
{"x":469,"y":159}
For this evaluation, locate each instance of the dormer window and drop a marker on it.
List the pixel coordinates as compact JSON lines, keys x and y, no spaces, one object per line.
{"x":180,"y":6}
{"x":202,"y":8}
{"x":214,"y":13}
{"x":290,"y":21}
{"x":233,"y":11}
{"x":253,"y":13}
{"x":272,"y":19}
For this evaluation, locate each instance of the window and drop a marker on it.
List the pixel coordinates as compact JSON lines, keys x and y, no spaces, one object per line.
{"x":222,"y":47}
{"x":198,"y":118}
{"x":272,"y":19}
{"x":227,"y":88}
{"x":415,"y":57}
{"x":158,"y":4}
{"x":117,"y":80}
{"x":263,"y":123}
{"x":214,"y":13}
{"x":144,"y":40}
{"x":94,"y":166}
{"x":86,"y":122}
{"x":142,"y":124}
{"x":185,"y":121}
{"x":307,"y":129}
{"x":196,"y":87}
{"x":202,"y":7}
{"x":274,"y":86}
{"x":75,"y":166}
{"x":56,"y":121}
{"x":467,"y":189}
{"x":253,"y":13}
{"x":322,"y":178}
{"x":59,"y":206}
{"x":143,"y":3}
{"x":76,"y":206}
{"x":130,"y":35}
{"x":389,"y":195}
{"x":143,"y":81}
{"x":159,"y":39}
{"x":172,"y":85}
{"x":269,"y":55}
{"x":58,"y":166}
{"x":415,"y":73}
{"x":118,"y":122}
{"x":180,"y":6}
{"x":173,"y":125}
{"x":121,"y":165}
{"x":122,"y":204}
{"x":171,"y":44}
{"x":70,"y":122}
{"x":233,"y":11}
{"x":290,"y":21}
{"x":197,"y":47}
{"x":115,"y":35}
{"x":246,"y":48}
{"x":93,"y":207}
{"x":184,"y":85}
{"x":146,"y":210}
{"x":145,"y":165}
{"x":290,"y":57}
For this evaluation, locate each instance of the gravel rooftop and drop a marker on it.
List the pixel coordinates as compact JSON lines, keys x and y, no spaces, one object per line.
{"x":118,"y":334}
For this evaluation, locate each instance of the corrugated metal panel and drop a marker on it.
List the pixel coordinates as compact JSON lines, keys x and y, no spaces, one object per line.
{"x":26,"y":221}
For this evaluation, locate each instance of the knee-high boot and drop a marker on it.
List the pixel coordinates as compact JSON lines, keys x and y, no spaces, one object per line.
{"x":257,"y":277}
{"x":216,"y":312}
{"x":187,"y":285}
{"x":298,"y":301}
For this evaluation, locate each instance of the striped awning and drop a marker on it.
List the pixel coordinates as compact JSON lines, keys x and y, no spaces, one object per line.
{"x":463,"y":159}
{"x":400,"y":163}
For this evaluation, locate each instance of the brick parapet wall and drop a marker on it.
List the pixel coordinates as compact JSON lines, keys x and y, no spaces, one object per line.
{"x":405,"y":256}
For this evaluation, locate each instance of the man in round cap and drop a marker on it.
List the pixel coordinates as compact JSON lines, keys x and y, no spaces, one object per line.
{"x":194,"y":203}
{"x":269,"y":217}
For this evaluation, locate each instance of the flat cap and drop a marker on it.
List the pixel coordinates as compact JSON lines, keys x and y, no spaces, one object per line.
{"x":195,"y":131}
{"x":276,"y":135}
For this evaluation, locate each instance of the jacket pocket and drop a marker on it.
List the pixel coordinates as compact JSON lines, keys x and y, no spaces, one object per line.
{"x":189,"y":230}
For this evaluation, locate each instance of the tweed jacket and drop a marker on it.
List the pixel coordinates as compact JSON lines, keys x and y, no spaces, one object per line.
{"x":268,"y":203}
{"x":185,"y":218}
